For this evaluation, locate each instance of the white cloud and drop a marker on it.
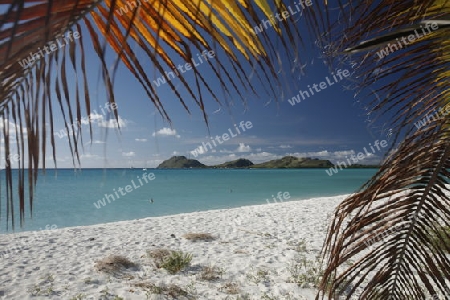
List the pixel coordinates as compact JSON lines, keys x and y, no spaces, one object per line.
{"x":101,"y":122}
{"x":83,"y":121}
{"x":141,"y":140}
{"x":335,"y":156}
{"x":128,"y":154}
{"x":166,"y":131}
{"x":88,"y":155}
{"x":225,"y":151}
{"x":261,"y":157}
{"x":266,"y":154}
{"x":243,"y":148}
{"x":95,"y":142}
{"x":285,"y":146}
{"x":91,"y":118}
{"x":112,"y":123}
{"x":344,"y":153}
{"x":12,"y":129}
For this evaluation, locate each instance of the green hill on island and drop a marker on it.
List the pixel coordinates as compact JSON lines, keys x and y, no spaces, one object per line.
{"x":292,"y":162}
{"x":235,"y":164}
{"x":181,"y":162}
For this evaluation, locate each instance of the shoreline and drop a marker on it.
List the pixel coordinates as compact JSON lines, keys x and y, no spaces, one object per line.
{"x":249,"y":241}
{"x":179,"y":214}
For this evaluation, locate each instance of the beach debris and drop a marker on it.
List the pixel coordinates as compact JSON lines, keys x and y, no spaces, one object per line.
{"x":195,"y":237}
{"x":114,"y":263}
{"x":211,"y":273}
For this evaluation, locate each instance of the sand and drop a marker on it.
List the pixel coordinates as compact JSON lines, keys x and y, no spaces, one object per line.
{"x":253,"y":255}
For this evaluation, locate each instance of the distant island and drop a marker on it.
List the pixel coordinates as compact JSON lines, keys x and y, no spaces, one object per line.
{"x":287,"y":162}
{"x":181,"y":162}
{"x":292,"y":162}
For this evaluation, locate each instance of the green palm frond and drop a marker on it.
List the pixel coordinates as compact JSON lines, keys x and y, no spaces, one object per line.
{"x":389,"y":227}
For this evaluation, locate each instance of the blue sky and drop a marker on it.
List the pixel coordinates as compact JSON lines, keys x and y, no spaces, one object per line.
{"x":331,"y":124}
{"x":328,"y":125}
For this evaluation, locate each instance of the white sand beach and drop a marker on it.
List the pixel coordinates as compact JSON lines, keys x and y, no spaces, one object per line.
{"x":254,"y":255}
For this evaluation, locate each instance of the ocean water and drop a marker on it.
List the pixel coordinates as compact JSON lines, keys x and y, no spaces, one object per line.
{"x":70,"y":198}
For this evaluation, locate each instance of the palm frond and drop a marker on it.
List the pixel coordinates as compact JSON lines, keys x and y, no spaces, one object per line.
{"x":387,"y":227}
{"x":25,"y":106}
{"x":391,"y":37}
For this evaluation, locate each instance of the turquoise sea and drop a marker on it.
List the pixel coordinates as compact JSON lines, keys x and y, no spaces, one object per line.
{"x":67,"y":198}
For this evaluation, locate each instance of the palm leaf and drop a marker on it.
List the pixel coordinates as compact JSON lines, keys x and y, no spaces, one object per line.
{"x":387,"y":227}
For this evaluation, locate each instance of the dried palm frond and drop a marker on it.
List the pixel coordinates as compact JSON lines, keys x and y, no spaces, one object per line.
{"x":389,"y":227}
{"x":25,"y":106}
